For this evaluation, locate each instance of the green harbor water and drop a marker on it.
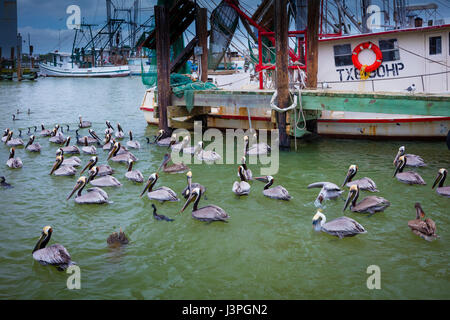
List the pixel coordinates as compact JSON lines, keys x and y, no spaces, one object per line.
{"x":268,"y":250}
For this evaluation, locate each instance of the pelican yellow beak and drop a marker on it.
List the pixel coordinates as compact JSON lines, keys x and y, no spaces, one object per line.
{"x":351,"y":195}
{"x":57,"y":164}
{"x":189,"y":200}
{"x":80,"y":183}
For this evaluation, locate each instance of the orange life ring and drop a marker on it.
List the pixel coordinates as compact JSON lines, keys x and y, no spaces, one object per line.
{"x":367,"y":45}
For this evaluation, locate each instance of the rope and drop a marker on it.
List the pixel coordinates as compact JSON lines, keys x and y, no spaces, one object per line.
{"x":274,"y":107}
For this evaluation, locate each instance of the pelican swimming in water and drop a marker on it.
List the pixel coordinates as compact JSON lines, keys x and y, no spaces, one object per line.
{"x":57,"y":137}
{"x":119,"y":134}
{"x":70,"y":149}
{"x":109,"y":128}
{"x":208,"y":213}
{"x":257,"y":148}
{"x":83,"y":124}
{"x":13,"y":142}
{"x":413,"y":160}
{"x":363,"y":183}
{"x":328,"y":191}
{"x":180,"y":146}
{"x":133,"y":143}
{"x":117,"y":239}
{"x":93,"y":139}
{"x":133,"y":175}
{"x":247,"y":172}
{"x":277,"y":192}
{"x":426,"y":228}
{"x":370,"y":204}
{"x":33,"y":147}
{"x":103,"y":169}
{"x":13,"y":163}
{"x":45,"y":132}
{"x":109,"y":142}
{"x":441,"y":190}
{"x":208,"y":155}
{"x":241,"y":188}
{"x":72,"y":161}
{"x":160,"y":217}
{"x":55,"y":255}
{"x":340,"y":227}
{"x":162,"y":142}
{"x":62,"y":170}
{"x":161,"y":194}
{"x":4,"y":184}
{"x":87,"y":148}
{"x":104,"y":181}
{"x":190,"y":186}
{"x":93,"y":195}
{"x":123,"y":157}
{"x":409,"y":177}
{"x":174,"y":168}
{"x":5,"y":135}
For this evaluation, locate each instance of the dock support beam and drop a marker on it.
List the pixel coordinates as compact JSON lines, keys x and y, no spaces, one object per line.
{"x":163,"y":65}
{"x":201,"y":28}
{"x":281,"y":42}
{"x":312,"y":43}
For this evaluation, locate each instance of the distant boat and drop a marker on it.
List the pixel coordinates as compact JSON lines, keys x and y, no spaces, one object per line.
{"x":136,"y":64}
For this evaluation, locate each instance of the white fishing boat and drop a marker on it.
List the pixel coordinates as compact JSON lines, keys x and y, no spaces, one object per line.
{"x":136,"y":65}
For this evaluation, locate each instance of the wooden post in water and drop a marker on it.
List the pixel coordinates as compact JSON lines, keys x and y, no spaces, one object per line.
{"x":202,"y":34}
{"x":312,"y":39}
{"x":163,"y":64}
{"x":281,"y":42}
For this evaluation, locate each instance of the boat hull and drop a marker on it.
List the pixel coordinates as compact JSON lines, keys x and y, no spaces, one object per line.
{"x":98,"y":72}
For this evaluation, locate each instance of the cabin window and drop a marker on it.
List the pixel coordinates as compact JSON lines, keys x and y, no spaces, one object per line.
{"x":389,"y":49}
{"x":342,"y":55}
{"x":435,"y":45}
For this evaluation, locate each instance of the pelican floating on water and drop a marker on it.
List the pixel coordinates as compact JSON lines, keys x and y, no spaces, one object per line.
{"x":109,"y":128}
{"x":62,"y":170}
{"x":57,"y":137}
{"x":83,"y":124}
{"x":133,"y":175}
{"x":72,"y":161}
{"x":208,"y":213}
{"x":159,"y":217}
{"x":119,"y":134}
{"x":413,"y":160}
{"x":242,"y":187}
{"x":117,"y":239}
{"x":441,"y":190}
{"x":180,"y":146}
{"x":363,"y":183}
{"x":33,"y":147}
{"x":104,"y":169}
{"x":162,"y":142}
{"x":190,"y":186}
{"x":247,"y":172}
{"x":13,"y":142}
{"x":328,"y":191}
{"x":257,"y":148}
{"x":426,"y":228}
{"x":55,"y":254}
{"x":409,"y":177}
{"x":370,"y":204}
{"x":277,"y":192}
{"x":70,"y":149}
{"x":123,"y":157}
{"x":161,"y":194}
{"x":13,"y":163}
{"x":208,"y":155}
{"x":5,"y":135}
{"x":133,"y":143}
{"x":109,"y":142}
{"x":87,"y":148}
{"x":174,"y":168}
{"x":93,"y":195}
{"x":340,"y":227}
{"x":45,"y":132}
{"x":104,"y":181}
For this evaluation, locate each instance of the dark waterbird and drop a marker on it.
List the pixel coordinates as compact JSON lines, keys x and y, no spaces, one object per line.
{"x":4,"y":184}
{"x":159,"y":217}
{"x":117,"y":239}
{"x":424,"y":228}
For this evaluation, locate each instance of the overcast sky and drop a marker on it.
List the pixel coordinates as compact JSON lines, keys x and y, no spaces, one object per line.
{"x":45,"y":20}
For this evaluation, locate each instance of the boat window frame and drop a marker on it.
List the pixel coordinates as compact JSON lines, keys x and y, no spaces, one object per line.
{"x":440,"y":45}
{"x":346,"y":55}
{"x":395,"y":49}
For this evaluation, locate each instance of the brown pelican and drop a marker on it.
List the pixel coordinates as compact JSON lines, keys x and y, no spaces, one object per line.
{"x":409,"y":177}
{"x":209,"y":213}
{"x":426,"y":228}
{"x":103,"y":169}
{"x":57,"y":137}
{"x":247,"y":172}
{"x":160,"y":217}
{"x":328,"y":191}
{"x":115,"y":156}
{"x":277,"y":192}
{"x":257,"y":148}
{"x":364,"y":183}
{"x":55,"y":255}
{"x":5,"y":135}
{"x":413,"y":160}
{"x":104,"y":181}
{"x":13,"y":142}
{"x":72,"y":161}
{"x":45,"y":132}
{"x":62,"y":170}
{"x":160,"y":141}
{"x":190,"y":186}
{"x":119,"y":134}
{"x":161,"y":194}
{"x":241,"y":188}
{"x":441,"y":190}
{"x":81,"y":141}
{"x":133,"y":175}
{"x":13,"y":163}
{"x":70,"y":149}
{"x":180,"y":146}
{"x":109,"y":128}
{"x":117,"y":239}
{"x":340,"y":227}
{"x":174,"y":168}
{"x":370,"y":204}
{"x":108,"y":142}
{"x":4,"y":184}
{"x":84,"y":124}
{"x":133,"y":143}
{"x":33,"y":147}
{"x":93,"y":195}
{"x":87,"y":148}
{"x":208,"y":155}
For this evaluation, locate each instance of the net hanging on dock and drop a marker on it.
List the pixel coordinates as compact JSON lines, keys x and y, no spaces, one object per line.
{"x":184,"y":85}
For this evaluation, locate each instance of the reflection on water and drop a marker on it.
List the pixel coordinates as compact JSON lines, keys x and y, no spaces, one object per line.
{"x":268,"y":250}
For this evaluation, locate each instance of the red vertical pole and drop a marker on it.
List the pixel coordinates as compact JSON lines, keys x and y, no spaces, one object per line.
{"x":261,"y":83}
